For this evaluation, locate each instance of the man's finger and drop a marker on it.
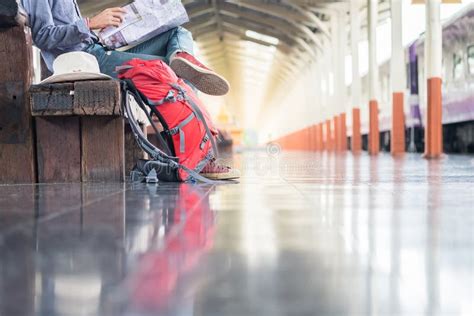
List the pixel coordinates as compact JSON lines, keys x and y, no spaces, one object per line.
{"x":118,"y":16}
{"x":118,"y":9}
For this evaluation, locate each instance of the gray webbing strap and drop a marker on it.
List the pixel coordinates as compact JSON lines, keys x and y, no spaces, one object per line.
{"x":170,"y":98}
{"x":179,"y":129}
{"x":123,"y":68}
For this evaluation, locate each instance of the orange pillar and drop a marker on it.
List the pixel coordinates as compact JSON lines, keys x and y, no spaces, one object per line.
{"x":398,"y":124}
{"x":342,"y":122}
{"x":300,"y":137}
{"x":294,"y":142}
{"x":356,"y":134}
{"x":337,"y":133}
{"x":315,"y":135}
{"x":322,"y":144}
{"x":317,"y":146}
{"x":374,"y":134}
{"x":310,"y":138}
{"x":289,"y":142}
{"x":329,"y":138}
{"x":298,"y":140}
{"x":305,"y":136}
{"x":309,"y":147}
{"x":314,"y":145}
{"x":434,"y":124}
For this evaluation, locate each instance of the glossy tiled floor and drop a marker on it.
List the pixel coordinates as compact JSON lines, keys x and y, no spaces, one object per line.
{"x":301,"y":234}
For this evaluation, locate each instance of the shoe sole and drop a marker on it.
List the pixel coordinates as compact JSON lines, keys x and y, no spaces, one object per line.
{"x":232,"y":175}
{"x":219,"y":176}
{"x":204,"y":80}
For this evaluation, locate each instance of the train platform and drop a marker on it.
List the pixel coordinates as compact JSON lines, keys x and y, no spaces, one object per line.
{"x":300,"y":234}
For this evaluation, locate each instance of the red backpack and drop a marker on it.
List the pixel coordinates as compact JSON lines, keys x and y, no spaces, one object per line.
{"x":188,"y":130}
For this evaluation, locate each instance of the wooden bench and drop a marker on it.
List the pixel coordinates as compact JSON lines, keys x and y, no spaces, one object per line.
{"x":67,"y":132}
{"x":79,"y":131}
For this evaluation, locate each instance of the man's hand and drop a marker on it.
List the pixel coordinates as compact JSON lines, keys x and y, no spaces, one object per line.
{"x":108,"y":17}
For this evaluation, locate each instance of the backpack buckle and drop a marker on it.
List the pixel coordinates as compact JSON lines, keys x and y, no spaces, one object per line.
{"x":170,"y":97}
{"x":204,"y":141}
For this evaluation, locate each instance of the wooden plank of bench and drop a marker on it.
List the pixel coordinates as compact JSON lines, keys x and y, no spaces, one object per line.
{"x":58,"y":149}
{"x":16,"y":135}
{"x":51,"y":99}
{"x":103,"y":154}
{"x":99,"y":97}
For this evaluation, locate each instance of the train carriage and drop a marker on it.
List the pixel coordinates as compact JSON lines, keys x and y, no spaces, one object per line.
{"x":458,"y":89}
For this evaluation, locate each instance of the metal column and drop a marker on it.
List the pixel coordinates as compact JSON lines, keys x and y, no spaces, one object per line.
{"x":374,"y":136}
{"x":433,"y":55}
{"x":334,"y":118}
{"x":356,"y":140}
{"x":398,"y":79}
{"x":341,"y":82}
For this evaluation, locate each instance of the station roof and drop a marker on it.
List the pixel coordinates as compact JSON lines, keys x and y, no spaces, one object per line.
{"x":257,"y":44}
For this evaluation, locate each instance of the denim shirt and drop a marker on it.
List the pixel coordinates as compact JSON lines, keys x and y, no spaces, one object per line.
{"x":57,"y":27}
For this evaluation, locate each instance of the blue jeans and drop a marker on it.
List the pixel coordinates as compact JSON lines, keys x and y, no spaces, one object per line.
{"x":161,"y":47}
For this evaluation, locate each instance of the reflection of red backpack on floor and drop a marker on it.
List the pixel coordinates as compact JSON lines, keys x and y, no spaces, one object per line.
{"x":198,"y":231}
{"x":189,"y":133}
{"x":189,"y":238}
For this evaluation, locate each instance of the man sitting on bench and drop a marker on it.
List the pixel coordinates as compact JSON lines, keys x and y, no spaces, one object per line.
{"x":58,"y":27}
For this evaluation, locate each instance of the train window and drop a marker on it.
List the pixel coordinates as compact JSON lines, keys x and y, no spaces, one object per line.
{"x":458,"y":66}
{"x":470,"y":59}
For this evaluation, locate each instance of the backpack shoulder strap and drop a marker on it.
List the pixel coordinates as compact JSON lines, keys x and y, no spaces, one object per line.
{"x":129,"y":86}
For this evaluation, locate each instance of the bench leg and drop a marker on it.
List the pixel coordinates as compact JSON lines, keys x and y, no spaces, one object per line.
{"x":103,"y":155}
{"x":75,"y":149}
{"x":58,"y":146}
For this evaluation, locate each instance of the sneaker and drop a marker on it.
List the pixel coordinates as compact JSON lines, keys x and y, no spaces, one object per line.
{"x":204,"y":79}
{"x":214,"y":171}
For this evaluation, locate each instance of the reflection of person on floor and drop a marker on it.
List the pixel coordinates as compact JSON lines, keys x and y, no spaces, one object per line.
{"x":58,"y":27}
